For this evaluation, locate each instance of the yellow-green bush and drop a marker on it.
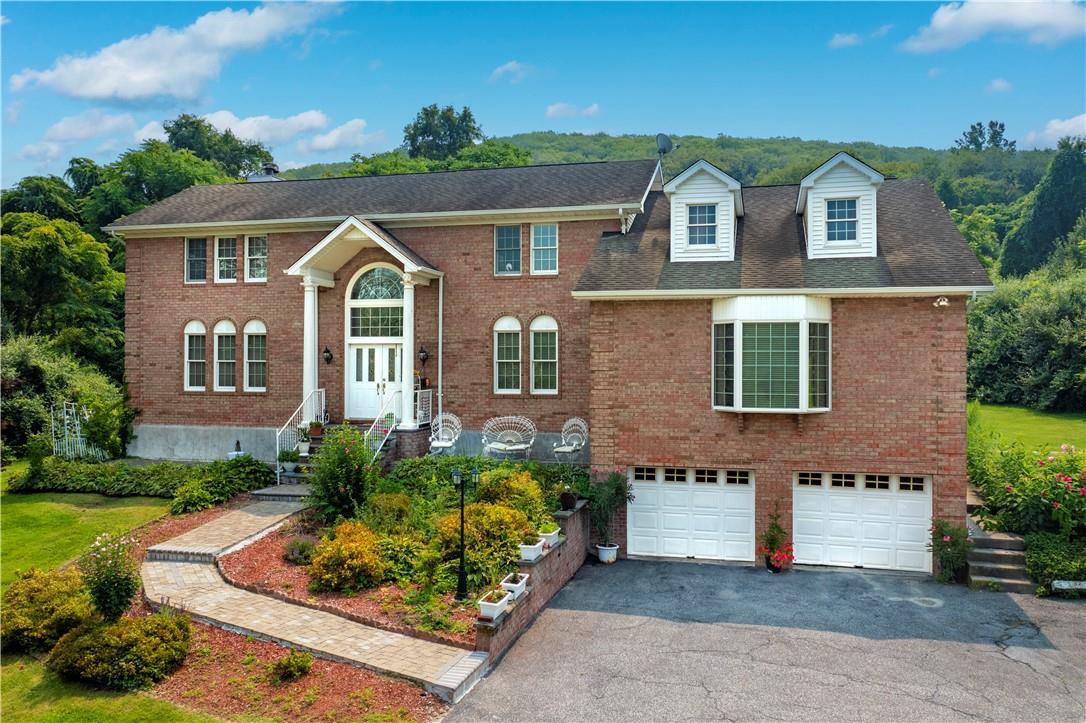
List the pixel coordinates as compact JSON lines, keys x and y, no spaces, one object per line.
{"x":516,"y":488}
{"x":40,"y":606}
{"x":351,"y":560}
{"x":387,"y":511}
{"x":492,"y":534}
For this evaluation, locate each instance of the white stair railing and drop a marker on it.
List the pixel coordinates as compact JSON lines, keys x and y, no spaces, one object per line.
{"x":383,"y":425}
{"x":311,"y":409}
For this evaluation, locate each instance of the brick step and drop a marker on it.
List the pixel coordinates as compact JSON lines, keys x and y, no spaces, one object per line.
{"x":999,"y":540}
{"x":997,"y":555}
{"x":1027,"y":588}
{"x":1014,"y":573}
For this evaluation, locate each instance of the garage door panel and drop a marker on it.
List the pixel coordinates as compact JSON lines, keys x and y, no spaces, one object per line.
{"x":675,"y":498}
{"x":912,"y":560}
{"x":674,"y":521}
{"x":642,"y":545}
{"x":877,"y":531}
{"x":736,"y":525}
{"x":871,"y":556}
{"x":644,"y":519}
{"x":674,"y":546}
{"x":916,"y":509}
{"x":704,"y":548}
{"x":707,"y":523}
{"x":878,"y":506}
{"x":706,"y":500}
{"x":807,"y":502}
{"x":809,"y":527}
{"x":837,"y":554}
{"x":647,"y":497}
{"x":841,"y":529}
{"x":736,"y":550}
{"x":736,"y":502}
{"x":842,"y":504}
{"x":912,"y":534}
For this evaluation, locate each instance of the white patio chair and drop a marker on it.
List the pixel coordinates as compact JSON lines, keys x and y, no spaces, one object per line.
{"x":508,"y":437}
{"x":445,"y":430}
{"x":574,"y":438}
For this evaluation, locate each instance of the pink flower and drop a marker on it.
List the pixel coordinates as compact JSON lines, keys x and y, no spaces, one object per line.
{"x":1041,"y":462}
{"x":1063,"y":447}
{"x":1082,"y":490}
{"x":1009,"y":488}
{"x":1055,"y":505}
{"x":946,"y":538}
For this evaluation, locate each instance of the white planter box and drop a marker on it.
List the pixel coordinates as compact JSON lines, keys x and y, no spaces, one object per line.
{"x":517,"y":588}
{"x":550,"y":538}
{"x":491,"y":610}
{"x":289,"y":466}
{"x":531,"y":552}
{"x":303,"y":449}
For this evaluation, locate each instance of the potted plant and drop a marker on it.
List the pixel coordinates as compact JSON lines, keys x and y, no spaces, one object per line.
{"x":494,"y":603}
{"x":549,"y":532}
{"x":289,"y":459}
{"x":303,"y":441}
{"x":604,"y":499}
{"x":316,"y":429}
{"x":775,"y":545}
{"x":568,"y":499}
{"x":531,"y":547}
{"x":516,"y":583}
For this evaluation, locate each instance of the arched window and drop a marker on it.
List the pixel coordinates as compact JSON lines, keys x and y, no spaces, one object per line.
{"x":226,"y":356}
{"x":195,"y":356}
{"x":256,"y":356}
{"x":375,"y":306}
{"x":544,"y":355}
{"x":507,"y":356}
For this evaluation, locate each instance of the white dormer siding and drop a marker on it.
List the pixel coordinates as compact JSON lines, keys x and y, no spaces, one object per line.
{"x":702,"y":184}
{"x":846,"y":184}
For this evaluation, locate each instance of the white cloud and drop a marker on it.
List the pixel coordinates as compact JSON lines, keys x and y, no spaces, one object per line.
{"x":4,"y":20}
{"x":999,"y":85}
{"x":150,"y":131}
{"x":513,"y":71}
{"x":88,"y":124}
{"x":170,"y":61}
{"x":934,"y":72}
{"x":44,"y":151}
{"x":956,"y":24}
{"x":12,"y":111}
{"x":1056,"y":129}
{"x":291,"y":165}
{"x":568,"y":110}
{"x":350,"y":135}
{"x":844,"y":40}
{"x":266,"y":129}
{"x":881,"y":30}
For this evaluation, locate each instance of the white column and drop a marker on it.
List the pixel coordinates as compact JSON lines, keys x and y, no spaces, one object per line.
{"x":309,"y":339}
{"x":407,"y":355}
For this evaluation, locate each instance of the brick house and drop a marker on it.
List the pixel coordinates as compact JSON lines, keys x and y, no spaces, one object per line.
{"x":738,"y":350}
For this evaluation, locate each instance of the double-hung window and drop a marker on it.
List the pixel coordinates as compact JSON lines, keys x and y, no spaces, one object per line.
{"x":701,"y":224}
{"x":507,"y":356}
{"x":544,"y":248}
{"x":195,"y":357}
{"x":507,"y":250}
{"x":256,"y":356}
{"x":226,"y":259}
{"x":226,"y":356}
{"x":544,"y":355}
{"x":256,"y":258}
{"x":195,"y":260}
{"x":841,"y":219}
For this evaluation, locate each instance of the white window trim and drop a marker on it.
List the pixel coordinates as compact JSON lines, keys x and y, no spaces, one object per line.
{"x":250,"y":279}
{"x":520,"y":251}
{"x":845,"y":243}
{"x":531,"y":251}
{"x":804,"y":368}
{"x":194,"y":328}
{"x":185,"y":271}
{"x":549,"y":325}
{"x":351,"y":303}
{"x":216,"y":261}
{"x":715,"y":245}
{"x":254,"y":328}
{"x":217,"y":332}
{"x":498,"y":329}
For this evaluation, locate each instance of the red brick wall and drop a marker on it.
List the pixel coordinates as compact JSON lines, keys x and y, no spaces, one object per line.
{"x":898,"y":381}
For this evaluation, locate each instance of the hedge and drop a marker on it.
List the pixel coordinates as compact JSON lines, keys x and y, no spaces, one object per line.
{"x":1053,"y":557}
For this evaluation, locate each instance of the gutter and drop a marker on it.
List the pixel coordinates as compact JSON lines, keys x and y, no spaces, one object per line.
{"x":686,"y":294}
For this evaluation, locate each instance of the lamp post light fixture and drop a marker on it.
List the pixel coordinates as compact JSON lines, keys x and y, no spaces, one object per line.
{"x":327,"y":355}
{"x":462,"y":573}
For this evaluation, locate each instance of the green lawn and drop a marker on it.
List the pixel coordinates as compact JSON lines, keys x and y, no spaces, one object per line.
{"x":1036,"y":431}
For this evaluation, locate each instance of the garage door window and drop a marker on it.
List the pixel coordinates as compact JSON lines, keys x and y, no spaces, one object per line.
{"x":877,"y":481}
{"x":910,"y":484}
{"x":644,"y":474}
{"x":843,"y":480}
{"x":705,"y":476}
{"x":809,"y":479}
{"x":674,"y":474}
{"x":737,"y":477}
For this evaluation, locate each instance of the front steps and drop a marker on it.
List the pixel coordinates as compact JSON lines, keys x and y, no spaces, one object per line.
{"x":999,"y":559}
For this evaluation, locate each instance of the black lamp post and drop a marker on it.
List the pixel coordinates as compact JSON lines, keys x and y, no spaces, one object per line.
{"x":462,"y":573}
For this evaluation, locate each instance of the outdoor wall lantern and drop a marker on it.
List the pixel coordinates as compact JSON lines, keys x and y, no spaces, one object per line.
{"x":327,"y":354}
{"x":423,"y":356}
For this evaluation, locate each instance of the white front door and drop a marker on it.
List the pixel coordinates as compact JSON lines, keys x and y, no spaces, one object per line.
{"x":374,"y":375}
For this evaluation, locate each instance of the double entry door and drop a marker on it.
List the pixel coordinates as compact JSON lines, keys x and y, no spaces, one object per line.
{"x":373,"y":376}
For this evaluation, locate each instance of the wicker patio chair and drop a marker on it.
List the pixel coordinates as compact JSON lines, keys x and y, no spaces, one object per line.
{"x":574,"y":438}
{"x":507,"y":437}
{"x":445,"y":431}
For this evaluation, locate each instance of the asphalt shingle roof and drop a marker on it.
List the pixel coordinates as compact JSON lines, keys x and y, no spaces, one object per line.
{"x":573,"y":184}
{"x":918,"y":245}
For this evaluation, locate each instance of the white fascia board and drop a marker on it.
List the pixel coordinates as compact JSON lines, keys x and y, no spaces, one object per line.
{"x":839,"y":157}
{"x":702,"y":165}
{"x":298,"y":268}
{"x":686,"y":294}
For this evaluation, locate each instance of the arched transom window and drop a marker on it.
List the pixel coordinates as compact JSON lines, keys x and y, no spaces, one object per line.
{"x":375,"y":306}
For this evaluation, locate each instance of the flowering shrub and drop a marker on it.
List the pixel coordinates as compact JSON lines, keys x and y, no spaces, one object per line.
{"x":344,"y":472}
{"x":349,"y":561}
{"x":775,"y":544}
{"x":110,"y":575}
{"x":781,"y":556}
{"x":1038,"y":493}
{"x":513,"y":487}
{"x":949,"y":545}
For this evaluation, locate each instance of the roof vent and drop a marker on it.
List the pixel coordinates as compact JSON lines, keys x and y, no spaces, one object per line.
{"x":267,"y":173}
{"x":271,"y":168}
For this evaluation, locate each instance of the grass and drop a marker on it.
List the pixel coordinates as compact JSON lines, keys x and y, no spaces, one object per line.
{"x":1036,"y":431}
{"x":33,"y":693}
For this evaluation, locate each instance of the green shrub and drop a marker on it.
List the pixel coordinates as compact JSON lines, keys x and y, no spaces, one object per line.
{"x":431,"y":477}
{"x":607,"y":493}
{"x":513,"y":487}
{"x":1025,"y":494}
{"x":399,"y":553}
{"x":343,"y":474}
{"x":128,"y":654}
{"x":1054,"y":557}
{"x":40,"y":606}
{"x":110,"y":575}
{"x":950,"y":547}
{"x":291,"y":666}
{"x":114,"y":479}
{"x":349,"y":561}
{"x":387,"y":512}
{"x":191,"y":497}
{"x":299,"y":550}
{"x":492,"y":534}
{"x":226,"y":479}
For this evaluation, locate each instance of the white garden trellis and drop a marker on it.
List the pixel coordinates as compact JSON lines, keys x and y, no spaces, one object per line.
{"x":67,"y":428}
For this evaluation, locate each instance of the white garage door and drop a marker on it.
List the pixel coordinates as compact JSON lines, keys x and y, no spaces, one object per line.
{"x":862,"y":520}
{"x":698,"y":513}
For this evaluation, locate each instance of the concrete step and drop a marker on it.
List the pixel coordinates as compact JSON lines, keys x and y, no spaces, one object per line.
{"x":286,"y":492}
{"x":997,"y":555}
{"x":1002,"y":572}
{"x":1027,"y":588}
{"x":998,"y":540}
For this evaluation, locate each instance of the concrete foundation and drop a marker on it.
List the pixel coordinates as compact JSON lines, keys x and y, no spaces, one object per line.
{"x":184,"y":442}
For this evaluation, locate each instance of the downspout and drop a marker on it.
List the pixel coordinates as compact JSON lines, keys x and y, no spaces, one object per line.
{"x":440,"y":339}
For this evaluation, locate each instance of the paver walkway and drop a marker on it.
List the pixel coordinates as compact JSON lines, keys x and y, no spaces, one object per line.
{"x":181,"y":574}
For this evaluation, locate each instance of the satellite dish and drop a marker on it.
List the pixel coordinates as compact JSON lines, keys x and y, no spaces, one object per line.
{"x":663,"y":143}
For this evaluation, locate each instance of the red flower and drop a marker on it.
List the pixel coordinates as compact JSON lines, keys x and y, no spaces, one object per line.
{"x":1041,"y":462}
{"x":946,"y":538}
{"x":1055,"y":505}
{"x":1009,"y":489}
{"x":1082,"y":490}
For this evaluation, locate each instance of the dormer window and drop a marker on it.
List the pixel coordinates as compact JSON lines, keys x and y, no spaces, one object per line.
{"x":701,"y":221}
{"x":841,"y":219}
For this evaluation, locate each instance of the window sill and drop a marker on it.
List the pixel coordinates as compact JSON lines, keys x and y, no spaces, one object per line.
{"x":507,"y":393}
{"x":226,"y":390}
{"x":544,"y":273}
{"x":507,"y":276}
{"x":545,"y":393}
{"x":194,"y":390}
{"x":256,"y":281}
{"x":226,"y":281}
{"x":760,"y":410}
{"x":195,"y":283}
{"x":256,"y":391}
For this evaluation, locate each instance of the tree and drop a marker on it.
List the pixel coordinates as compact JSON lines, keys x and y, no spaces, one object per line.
{"x":438,"y":133}
{"x":384,"y":164}
{"x":972,"y":139}
{"x":47,"y":195}
{"x":978,"y":138}
{"x":58,"y":282}
{"x":83,"y":174}
{"x":1060,"y":199}
{"x":237,"y":157}
{"x":489,"y":154}
{"x":979,"y":232}
{"x":996,"y":139}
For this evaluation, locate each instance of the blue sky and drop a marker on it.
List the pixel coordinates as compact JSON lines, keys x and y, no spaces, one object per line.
{"x":320,"y":82}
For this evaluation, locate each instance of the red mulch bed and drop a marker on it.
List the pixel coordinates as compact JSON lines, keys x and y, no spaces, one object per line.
{"x":260,"y":567}
{"x":226,"y":675}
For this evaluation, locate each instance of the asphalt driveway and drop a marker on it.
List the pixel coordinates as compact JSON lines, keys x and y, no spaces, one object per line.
{"x":668,"y":641}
